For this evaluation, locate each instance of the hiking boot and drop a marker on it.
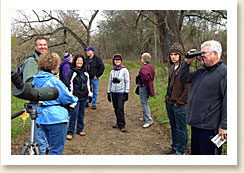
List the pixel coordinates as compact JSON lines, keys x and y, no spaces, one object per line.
{"x":87,"y":105}
{"x":171,"y":151}
{"x":47,"y":150}
{"x":146,"y":125}
{"x":123,"y":130}
{"x":94,"y":107}
{"x":82,"y":134}
{"x":69,"y":137}
{"x":115,"y":126}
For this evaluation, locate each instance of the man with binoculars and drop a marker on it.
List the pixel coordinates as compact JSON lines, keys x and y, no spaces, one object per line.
{"x":206,"y":109}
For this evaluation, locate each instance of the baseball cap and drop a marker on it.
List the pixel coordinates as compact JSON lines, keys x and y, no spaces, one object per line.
{"x":89,"y":48}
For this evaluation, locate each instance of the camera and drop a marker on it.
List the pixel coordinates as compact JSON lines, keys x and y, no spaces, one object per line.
{"x":115,"y":80}
{"x":193,"y":54}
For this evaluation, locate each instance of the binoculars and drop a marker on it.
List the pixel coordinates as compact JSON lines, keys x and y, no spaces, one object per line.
{"x":193,"y":54}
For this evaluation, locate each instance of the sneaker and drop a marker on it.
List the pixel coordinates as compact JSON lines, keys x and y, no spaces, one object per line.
{"x":87,"y":105}
{"x":123,"y":130}
{"x":141,"y":119}
{"x":115,"y":126}
{"x":171,"y":151}
{"x":69,"y":137}
{"x":82,"y":134}
{"x":94,"y":107}
{"x":146,"y":125}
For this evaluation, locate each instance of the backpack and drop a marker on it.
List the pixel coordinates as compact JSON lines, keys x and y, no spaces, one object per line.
{"x":20,"y":67}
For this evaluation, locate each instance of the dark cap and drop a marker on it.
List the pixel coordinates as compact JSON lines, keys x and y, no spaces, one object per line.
{"x":89,"y":48}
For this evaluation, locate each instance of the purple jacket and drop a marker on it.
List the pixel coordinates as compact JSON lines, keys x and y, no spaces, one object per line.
{"x":147,"y":74}
{"x":63,"y":69}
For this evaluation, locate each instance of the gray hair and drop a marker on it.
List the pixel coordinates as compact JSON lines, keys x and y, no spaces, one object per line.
{"x":215,"y":46}
{"x":146,"y":57}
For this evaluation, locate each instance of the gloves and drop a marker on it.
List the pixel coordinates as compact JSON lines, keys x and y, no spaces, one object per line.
{"x":90,"y":99}
{"x":109,"y":97}
{"x":125,"y":97}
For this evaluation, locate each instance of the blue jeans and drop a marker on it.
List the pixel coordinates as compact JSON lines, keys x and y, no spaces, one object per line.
{"x":77,"y":113}
{"x":56,"y":137}
{"x":95,"y":86}
{"x":41,"y":139}
{"x":177,"y":118}
{"x":143,"y":92}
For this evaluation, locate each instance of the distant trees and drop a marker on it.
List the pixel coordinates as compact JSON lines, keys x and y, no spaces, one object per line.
{"x":129,"y":32}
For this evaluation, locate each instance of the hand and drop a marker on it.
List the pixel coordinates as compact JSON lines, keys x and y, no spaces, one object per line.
{"x":166,"y":98}
{"x":189,"y":60}
{"x":222,"y":133}
{"x":177,"y":104}
{"x":125,"y":97}
{"x":109,"y":97}
{"x":57,"y":76}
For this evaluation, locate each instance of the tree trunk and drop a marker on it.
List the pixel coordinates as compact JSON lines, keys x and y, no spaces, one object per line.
{"x":169,"y":32}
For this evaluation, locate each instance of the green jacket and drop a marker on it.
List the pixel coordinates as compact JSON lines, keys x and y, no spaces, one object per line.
{"x":30,"y":68}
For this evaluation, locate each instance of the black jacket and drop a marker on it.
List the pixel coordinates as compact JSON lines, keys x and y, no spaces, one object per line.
{"x":77,"y":83}
{"x":207,"y":100}
{"x":94,"y":66}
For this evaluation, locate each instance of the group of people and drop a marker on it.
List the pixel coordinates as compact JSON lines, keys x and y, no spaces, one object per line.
{"x":203,"y":91}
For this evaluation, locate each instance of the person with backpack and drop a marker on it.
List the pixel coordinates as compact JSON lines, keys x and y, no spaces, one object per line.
{"x":65,"y":66}
{"x":118,"y":87}
{"x":176,"y":100}
{"x":53,"y":116}
{"x":145,"y":81}
{"x":95,"y":69}
{"x":29,"y":69}
{"x":78,"y":83}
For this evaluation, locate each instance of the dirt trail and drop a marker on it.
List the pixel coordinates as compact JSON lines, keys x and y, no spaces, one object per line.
{"x":102,"y":139}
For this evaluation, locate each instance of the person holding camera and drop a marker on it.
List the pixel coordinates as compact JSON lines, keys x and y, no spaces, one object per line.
{"x":53,"y":116}
{"x":95,"y":69}
{"x":176,"y":100}
{"x":118,"y":87}
{"x":77,"y":81}
{"x":145,"y":81}
{"x":206,"y":109}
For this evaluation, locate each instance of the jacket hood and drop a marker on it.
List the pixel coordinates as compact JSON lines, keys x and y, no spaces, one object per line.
{"x":41,"y":78}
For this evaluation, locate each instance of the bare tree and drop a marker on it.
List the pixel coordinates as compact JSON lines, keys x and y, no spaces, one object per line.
{"x":53,"y":22}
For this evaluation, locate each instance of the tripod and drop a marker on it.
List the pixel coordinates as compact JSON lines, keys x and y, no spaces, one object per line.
{"x":31,"y":147}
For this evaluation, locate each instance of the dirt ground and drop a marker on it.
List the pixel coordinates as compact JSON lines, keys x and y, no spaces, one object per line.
{"x":102,"y":139}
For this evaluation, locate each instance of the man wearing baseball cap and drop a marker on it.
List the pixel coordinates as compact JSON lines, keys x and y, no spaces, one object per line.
{"x":95,"y":68}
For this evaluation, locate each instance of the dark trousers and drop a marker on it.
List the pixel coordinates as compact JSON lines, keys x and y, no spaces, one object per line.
{"x":118,"y":104}
{"x":201,"y":143}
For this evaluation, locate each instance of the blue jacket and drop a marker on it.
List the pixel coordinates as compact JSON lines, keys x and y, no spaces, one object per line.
{"x":53,"y":112}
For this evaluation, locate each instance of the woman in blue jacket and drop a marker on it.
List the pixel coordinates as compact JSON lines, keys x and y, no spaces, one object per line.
{"x":53,"y":117}
{"x":77,"y":81}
